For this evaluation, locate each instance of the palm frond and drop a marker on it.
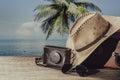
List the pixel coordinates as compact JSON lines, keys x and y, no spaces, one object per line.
{"x":47,"y":10}
{"x":44,"y":13}
{"x":82,"y":10}
{"x":56,"y":6}
{"x":54,"y":1}
{"x":45,"y":26}
{"x":72,"y":9}
{"x":50,"y":31}
{"x":64,"y":25}
{"x":70,"y":0}
{"x":57,"y":21}
{"x":65,"y":21}
{"x":88,"y":5}
{"x":49,"y":6}
{"x":49,"y":24}
{"x":41,"y":7}
{"x":76,"y":10}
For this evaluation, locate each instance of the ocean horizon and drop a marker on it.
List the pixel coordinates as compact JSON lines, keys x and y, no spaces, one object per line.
{"x":27,"y":47}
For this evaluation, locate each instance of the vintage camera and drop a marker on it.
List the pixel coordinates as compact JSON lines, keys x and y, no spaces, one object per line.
{"x":55,"y":56}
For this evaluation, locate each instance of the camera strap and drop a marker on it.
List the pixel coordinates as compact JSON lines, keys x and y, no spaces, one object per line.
{"x":39,"y":61}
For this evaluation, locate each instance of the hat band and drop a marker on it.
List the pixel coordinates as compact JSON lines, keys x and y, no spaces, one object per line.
{"x":95,"y":41}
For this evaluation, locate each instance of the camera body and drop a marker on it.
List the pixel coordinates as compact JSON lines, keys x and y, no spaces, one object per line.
{"x":55,"y":56}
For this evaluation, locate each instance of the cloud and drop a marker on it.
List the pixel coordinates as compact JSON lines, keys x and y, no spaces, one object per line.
{"x":29,"y":29}
{"x":32,"y":30}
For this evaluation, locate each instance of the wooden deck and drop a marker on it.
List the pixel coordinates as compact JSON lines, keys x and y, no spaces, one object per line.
{"x":24,"y":68}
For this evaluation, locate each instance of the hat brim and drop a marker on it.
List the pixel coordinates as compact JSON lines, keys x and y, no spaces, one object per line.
{"x":114,"y":27}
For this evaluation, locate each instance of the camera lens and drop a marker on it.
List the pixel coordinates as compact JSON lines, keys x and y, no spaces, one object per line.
{"x":55,"y":57}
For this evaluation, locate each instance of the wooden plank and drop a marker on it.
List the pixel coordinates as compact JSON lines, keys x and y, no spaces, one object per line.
{"x":24,"y":68}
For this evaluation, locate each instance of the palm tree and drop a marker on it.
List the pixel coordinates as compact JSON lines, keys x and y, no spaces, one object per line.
{"x":58,"y":15}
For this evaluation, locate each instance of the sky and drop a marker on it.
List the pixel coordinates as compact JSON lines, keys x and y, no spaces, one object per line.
{"x":17,"y":17}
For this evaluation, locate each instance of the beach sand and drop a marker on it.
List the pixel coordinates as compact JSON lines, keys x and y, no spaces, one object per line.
{"x":24,"y":68}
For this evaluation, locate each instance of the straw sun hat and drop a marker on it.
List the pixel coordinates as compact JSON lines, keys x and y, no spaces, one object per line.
{"x":87,"y":33}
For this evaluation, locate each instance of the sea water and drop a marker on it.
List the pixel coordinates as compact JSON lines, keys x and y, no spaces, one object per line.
{"x":27,"y":47}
